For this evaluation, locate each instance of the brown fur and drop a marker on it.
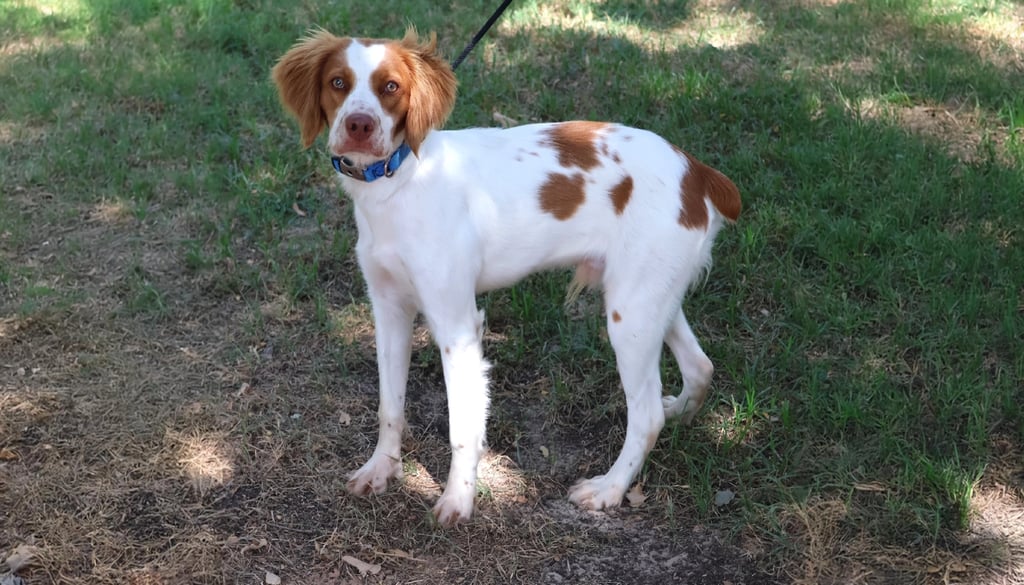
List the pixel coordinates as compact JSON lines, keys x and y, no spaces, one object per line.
{"x":434,"y":97}
{"x":561,"y":195}
{"x":702,"y":181}
{"x":298,"y":76}
{"x":575,"y":143}
{"x":621,"y":193}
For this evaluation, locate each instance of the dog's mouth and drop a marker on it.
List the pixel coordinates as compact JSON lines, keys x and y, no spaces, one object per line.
{"x":360,"y":154}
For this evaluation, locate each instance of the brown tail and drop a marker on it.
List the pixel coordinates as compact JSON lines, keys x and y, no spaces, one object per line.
{"x":700,"y":182}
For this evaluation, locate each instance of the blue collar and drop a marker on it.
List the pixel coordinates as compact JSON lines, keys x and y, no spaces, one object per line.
{"x":373,"y":171}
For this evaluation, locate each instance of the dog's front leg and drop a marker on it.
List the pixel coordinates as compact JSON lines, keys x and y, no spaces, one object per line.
{"x":465,"y":378}
{"x":393,"y":320}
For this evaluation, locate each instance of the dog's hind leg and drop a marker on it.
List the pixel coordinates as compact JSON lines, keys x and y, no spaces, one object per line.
{"x":695,"y":367}
{"x":636,"y":330}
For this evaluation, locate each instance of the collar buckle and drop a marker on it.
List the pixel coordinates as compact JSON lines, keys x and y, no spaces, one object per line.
{"x":382,"y":168}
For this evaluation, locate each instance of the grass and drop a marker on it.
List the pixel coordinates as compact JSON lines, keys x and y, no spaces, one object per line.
{"x":177,"y":289}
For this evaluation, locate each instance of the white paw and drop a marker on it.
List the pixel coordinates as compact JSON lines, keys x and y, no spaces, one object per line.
{"x":455,"y":504}
{"x":681,"y":406}
{"x":597,"y":493}
{"x":373,"y":477}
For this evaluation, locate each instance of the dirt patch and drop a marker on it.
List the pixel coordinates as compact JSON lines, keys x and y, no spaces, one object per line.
{"x":946,"y":124}
{"x":633,"y":549}
{"x":209,"y":442}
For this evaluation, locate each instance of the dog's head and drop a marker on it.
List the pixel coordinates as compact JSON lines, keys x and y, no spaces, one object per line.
{"x":370,"y":94}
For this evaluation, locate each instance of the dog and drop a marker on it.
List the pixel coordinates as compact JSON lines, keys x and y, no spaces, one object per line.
{"x":444,"y":215}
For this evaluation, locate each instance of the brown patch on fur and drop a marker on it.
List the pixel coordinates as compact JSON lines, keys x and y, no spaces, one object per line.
{"x":616,"y":316}
{"x":432,"y":93}
{"x":562,"y":195}
{"x":303,"y":77}
{"x":621,"y":193}
{"x":394,"y":67}
{"x":700,"y":182}
{"x":576,"y":143}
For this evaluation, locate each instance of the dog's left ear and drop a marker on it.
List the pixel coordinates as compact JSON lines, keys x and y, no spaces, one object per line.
{"x":297,"y":76}
{"x":432,"y":96}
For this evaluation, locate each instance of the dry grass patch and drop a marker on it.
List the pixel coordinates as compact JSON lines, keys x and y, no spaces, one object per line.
{"x":702,"y":23}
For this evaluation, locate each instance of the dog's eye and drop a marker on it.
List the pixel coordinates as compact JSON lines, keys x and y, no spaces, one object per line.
{"x":338,"y":83}
{"x":390,"y":87}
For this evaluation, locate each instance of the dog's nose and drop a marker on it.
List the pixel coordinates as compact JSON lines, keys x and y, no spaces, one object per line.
{"x":360,"y":126}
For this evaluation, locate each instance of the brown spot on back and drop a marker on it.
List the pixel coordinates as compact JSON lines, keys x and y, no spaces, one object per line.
{"x":576,"y":143}
{"x":700,"y":182}
{"x":621,"y":193}
{"x":616,"y":316}
{"x":561,"y":195}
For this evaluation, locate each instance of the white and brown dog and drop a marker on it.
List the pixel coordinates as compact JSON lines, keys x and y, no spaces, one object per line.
{"x":446,"y":215}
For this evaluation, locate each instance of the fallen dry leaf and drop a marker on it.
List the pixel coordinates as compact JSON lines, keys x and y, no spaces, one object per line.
{"x":344,"y":418}
{"x":271,"y":579}
{"x":258,"y":545}
{"x":298,"y":210}
{"x":8,"y":455}
{"x":22,"y":556}
{"x":395,"y":552}
{"x":635,"y":496}
{"x":504,"y":120}
{"x":363,"y":567}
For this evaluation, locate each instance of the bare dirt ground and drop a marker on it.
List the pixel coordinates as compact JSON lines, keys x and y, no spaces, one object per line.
{"x":210,"y":443}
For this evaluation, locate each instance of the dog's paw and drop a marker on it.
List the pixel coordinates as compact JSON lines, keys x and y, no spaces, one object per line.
{"x":597,"y":493}
{"x":683,"y":406}
{"x":455,"y":505}
{"x":373,"y":477}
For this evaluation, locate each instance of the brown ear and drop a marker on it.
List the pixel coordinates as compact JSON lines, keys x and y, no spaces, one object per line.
{"x":297,"y":76}
{"x":432,"y":96}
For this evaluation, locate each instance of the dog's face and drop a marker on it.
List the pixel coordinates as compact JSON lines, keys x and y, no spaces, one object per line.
{"x":371,"y":95}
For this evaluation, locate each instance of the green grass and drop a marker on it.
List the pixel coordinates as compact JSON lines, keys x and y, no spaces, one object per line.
{"x":864,"y":315}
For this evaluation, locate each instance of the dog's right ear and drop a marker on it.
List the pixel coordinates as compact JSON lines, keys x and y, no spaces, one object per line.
{"x":297,"y":76}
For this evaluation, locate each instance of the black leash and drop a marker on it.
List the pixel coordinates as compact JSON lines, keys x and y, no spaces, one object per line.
{"x":480,"y":34}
